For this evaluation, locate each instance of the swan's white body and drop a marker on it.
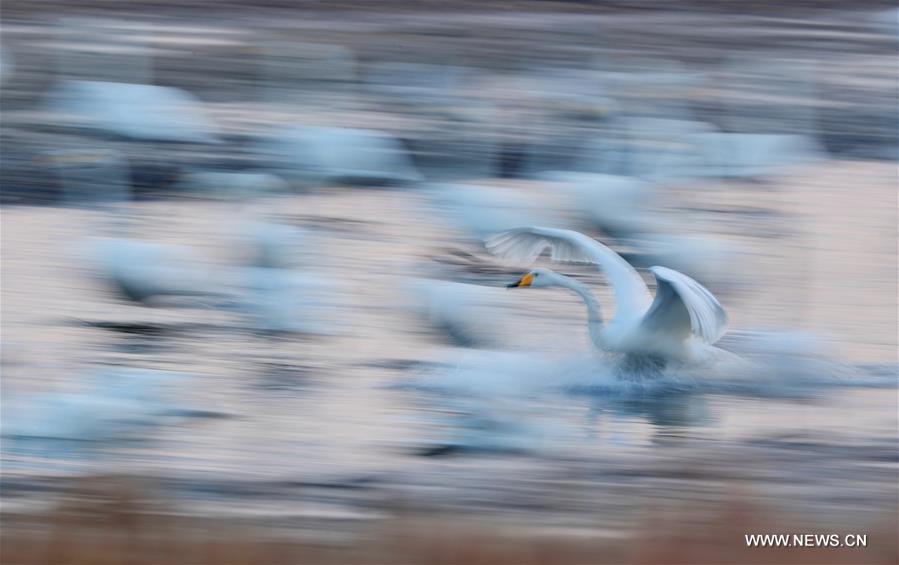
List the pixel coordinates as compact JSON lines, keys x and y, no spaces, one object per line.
{"x":680,"y":324}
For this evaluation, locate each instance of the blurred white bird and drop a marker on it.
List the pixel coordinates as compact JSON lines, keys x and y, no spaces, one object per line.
{"x":706,"y":259}
{"x":615,"y":204}
{"x":142,"y":271}
{"x":267,"y":290}
{"x":755,"y":155}
{"x":473,"y":425}
{"x":266,"y":243}
{"x":115,"y":404}
{"x":274,"y":245}
{"x":650,"y":148}
{"x":463,"y":313}
{"x":315,"y":155}
{"x":680,"y":324}
{"x":278,"y":300}
{"x":481,"y":210}
{"x":275,"y":289}
{"x":620,"y":207}
{"x":136,"y":111}
{"x":138,"y":271}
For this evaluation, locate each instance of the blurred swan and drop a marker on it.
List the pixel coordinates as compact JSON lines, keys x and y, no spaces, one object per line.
{"x":144,"y":272}
{"x":707,"y":259}
{"x":646,"y":147}
{"x":616,"y":204}
{"x":465,"y":314}
{"x":283,"y":301}
{"x":313,"y":156}
{"x":280,"y":288}
{"x":112,"y":404}
{"x":138,"y":271}
{"x":267,"y":290}
{"x":265,"y":242}
{"x":274,"y":245}
{"x":481,"y":210}
{"x":621,"y":207}
{"x":136,"y":111}
{"x":680,"y":324}
{"x":480,"y":425}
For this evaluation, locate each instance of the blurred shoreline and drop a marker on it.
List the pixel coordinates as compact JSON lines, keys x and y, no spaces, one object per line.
{"x":111,"y":519}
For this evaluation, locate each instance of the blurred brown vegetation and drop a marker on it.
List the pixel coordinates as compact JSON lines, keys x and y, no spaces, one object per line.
{"x":114,"y":520}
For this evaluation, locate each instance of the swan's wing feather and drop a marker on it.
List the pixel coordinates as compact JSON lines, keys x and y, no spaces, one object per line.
{"x":526,"y":244}
{"x":684,"y":306}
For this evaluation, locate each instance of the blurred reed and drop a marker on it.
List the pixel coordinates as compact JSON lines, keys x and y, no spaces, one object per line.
{"x":114,"y":519}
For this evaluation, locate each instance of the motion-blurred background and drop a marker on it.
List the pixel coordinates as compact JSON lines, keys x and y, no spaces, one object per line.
{"x":247,"y":314}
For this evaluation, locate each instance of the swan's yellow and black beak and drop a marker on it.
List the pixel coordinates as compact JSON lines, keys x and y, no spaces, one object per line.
{"x":525,"y":280}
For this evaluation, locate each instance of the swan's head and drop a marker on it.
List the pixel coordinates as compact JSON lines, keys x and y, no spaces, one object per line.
{"x":537,"y":278}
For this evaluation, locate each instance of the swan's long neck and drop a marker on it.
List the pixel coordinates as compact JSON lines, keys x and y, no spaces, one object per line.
{"x":594,"y":317}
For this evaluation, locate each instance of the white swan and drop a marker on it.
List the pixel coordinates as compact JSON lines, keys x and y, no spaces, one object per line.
{"x":680,"y":324}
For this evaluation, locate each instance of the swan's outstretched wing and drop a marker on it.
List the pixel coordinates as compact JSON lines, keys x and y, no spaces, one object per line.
{"x":526,"y":244}
{"x":683,"y":306}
